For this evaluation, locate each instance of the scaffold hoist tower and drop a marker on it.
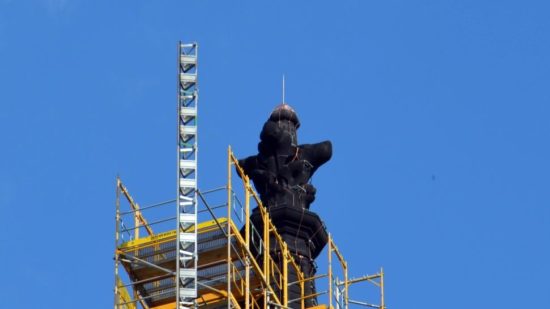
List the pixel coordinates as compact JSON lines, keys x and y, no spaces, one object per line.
{"x":211,"y":254}
{"x":187,"y":150}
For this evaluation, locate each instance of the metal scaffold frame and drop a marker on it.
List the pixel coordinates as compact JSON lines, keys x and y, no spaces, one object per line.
{"x":186,"y":201}
{"x":248,"y":277}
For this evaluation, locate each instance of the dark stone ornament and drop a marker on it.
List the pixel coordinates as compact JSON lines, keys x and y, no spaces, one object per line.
{"x":281,"y":172}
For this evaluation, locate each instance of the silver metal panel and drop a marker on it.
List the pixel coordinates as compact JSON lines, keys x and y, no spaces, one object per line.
{"x":188,"y":78}
{"x":190,"y":130}
{"x":188,"y":111}
{"x":186,"y":150}
{"x":186,"y":292}
{"x":188,"y":237}
{"x":186,"y":59}
{"x":188,"y":183}
{"x":187,"y":218}
{"x":190,"y":164}
{"x":188,"y":273}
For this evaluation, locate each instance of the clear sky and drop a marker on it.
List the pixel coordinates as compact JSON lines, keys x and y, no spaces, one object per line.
{"x":438,"y":112}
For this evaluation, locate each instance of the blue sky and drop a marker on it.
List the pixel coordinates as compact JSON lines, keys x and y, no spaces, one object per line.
{"x":438,"y":112}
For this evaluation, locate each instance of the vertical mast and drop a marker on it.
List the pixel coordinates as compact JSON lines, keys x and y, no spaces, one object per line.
{"x":284,"y":102}
{"x":186,"y":200}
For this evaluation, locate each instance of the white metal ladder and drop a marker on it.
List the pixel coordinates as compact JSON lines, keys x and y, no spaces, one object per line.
{"x":186,"y":263}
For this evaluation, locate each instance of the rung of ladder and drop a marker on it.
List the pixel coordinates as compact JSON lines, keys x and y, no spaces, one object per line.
{"x":188,"y":218}
{"x":188,"y":164}
{"x":188,"y":130}
{"x":188,"y":78}
{"x":186,"y":203}
{"x":188,"y":273}
{"x":187,"y":198}
{"x":188,"y":111}
{"x":188,"y":292}
{"x":187,"y":254}
{"x":184,"y":259}
{"x":188,"y":183}
{"x":188,"y":59}
{"x":187,"y":97}
{"x":187,"y":149}
{"x":188,"y":237}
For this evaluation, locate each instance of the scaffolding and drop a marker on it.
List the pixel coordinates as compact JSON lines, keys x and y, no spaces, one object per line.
{"x":232,"y":269}
{"x":208,"y":253}
{"x":186,"y":201}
